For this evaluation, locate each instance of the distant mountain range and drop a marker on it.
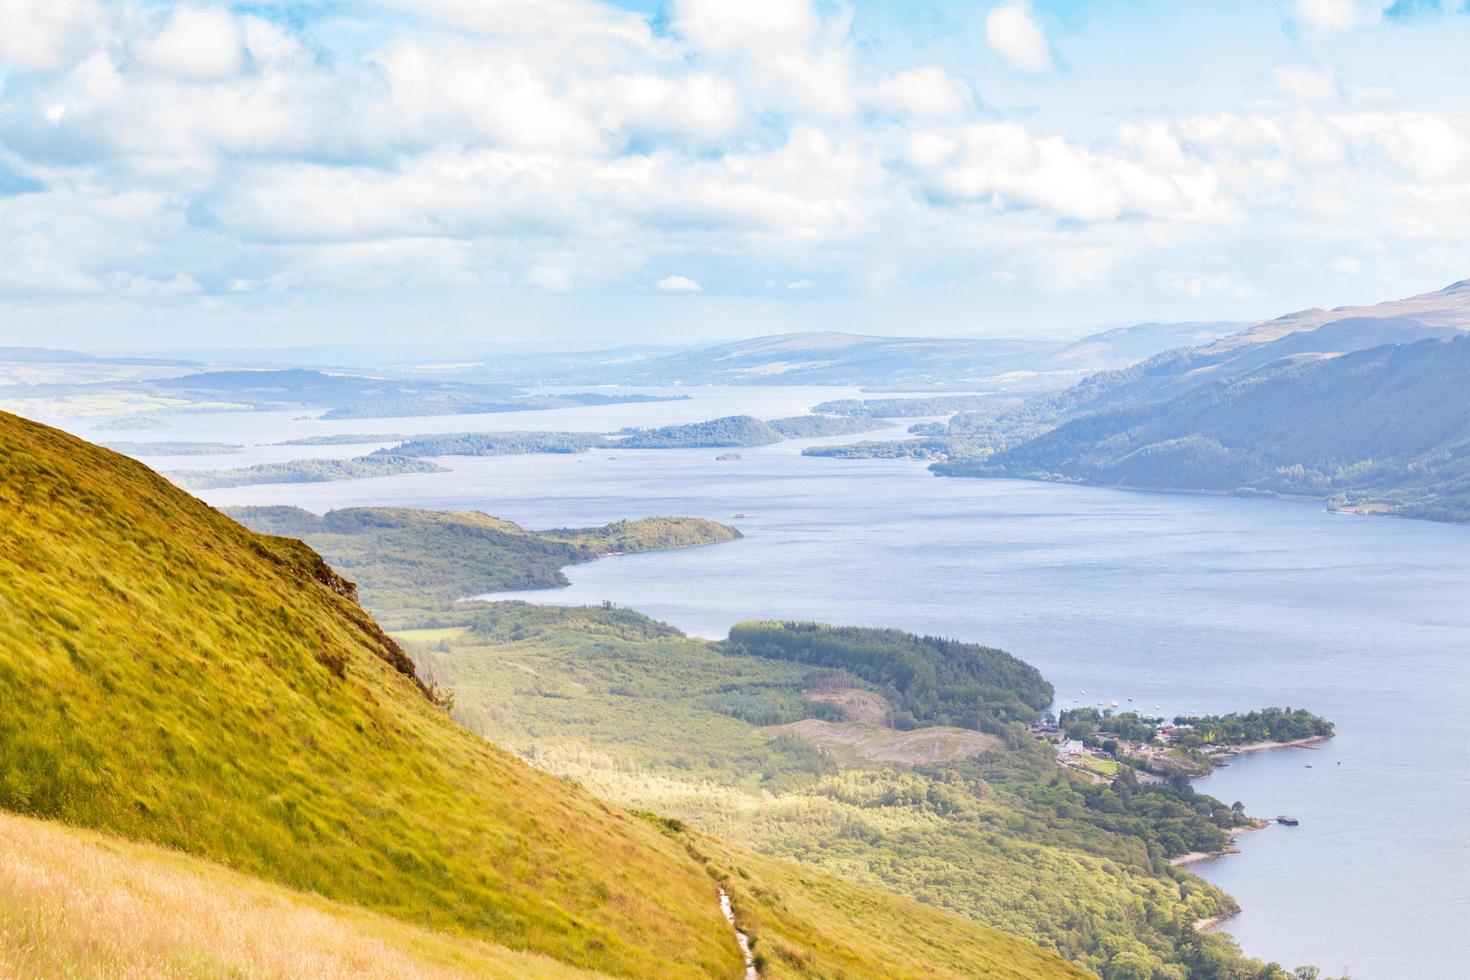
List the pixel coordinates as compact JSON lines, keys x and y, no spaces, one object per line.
{"x":403,"y":380}
{"x":829,"y":358}
{"x":1369,"y":406}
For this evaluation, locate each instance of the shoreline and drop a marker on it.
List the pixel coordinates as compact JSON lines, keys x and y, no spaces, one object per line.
{"x":1194,"y":857}
{"x":1214,"y":921}
{"x":1299,"y":743}
{"x":1368,"y":510}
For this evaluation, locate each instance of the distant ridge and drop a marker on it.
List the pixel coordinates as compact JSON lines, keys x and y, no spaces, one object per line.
{"x":1367,"y":406}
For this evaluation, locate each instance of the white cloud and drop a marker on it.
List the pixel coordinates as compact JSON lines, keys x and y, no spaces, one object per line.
{"x":747,"y":27}
{"x":1428,"y":146}
{"x":927,"y":91}
{"x":1005,"y":166}
{"x":570,"y":146}
{"x":196,"y":42}
{"x":1337,"y":15}
{"x":700,"y":105}
{"x":678,"y":284}
{"x":786,"y":52}
{"x":535,"y":18}
{"x":1307,"y":84}
{"x":42,"y":34}
{"x":1012,"y":32}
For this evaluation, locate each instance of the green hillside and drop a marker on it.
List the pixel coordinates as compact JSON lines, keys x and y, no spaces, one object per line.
{"x":405,"y":559}
{"x":172,"y":677}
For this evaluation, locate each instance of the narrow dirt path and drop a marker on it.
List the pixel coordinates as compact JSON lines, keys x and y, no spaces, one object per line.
{"x":751,"y":973}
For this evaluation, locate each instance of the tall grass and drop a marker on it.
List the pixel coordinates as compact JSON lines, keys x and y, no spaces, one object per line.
{"x":79,"y":904}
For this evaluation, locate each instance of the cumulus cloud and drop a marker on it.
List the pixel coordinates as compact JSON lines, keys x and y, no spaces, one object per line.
{"x":678,"y":284}
{"x":42,"y":34}
{"x":1013,"y":32}
{"x":1004,"y":166}
{"x":197,"y":42}
{"x":785,"y":50}
{"x":1337,"y":15}
{"x":927,"y":91}
{"x":1428,"y":146}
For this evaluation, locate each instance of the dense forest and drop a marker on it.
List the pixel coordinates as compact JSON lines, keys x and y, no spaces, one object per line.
{"x":1081,"y":722}
{"x":733,"y":432}
{"x":816,"y":426}
{"x":1265,"y":725}
{"x":931,"y":681}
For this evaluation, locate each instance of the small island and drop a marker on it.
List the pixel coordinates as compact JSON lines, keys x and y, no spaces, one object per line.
{"x":304,"y":471}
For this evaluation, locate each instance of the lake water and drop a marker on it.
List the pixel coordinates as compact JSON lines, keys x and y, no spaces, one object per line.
{"x":1190,"y":603}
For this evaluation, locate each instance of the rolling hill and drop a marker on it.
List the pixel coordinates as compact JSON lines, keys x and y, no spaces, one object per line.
{"x":833,"y":358}
{"x":1302,"y":336}
{"x":1364,"y":406}
{"x":405,"y":559}
{"x":173,"y":678}
{"x":1388,"y":426}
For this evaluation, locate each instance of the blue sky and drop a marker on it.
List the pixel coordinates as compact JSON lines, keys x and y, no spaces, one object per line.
{"x":581,"y":173}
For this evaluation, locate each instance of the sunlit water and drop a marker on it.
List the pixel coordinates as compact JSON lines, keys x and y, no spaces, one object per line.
{"x":1190,"y":603}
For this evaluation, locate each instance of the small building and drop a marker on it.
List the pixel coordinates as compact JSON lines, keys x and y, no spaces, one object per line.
{"x":1070,"y":748}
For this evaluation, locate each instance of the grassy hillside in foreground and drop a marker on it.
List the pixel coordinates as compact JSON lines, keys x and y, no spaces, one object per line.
{"x":77,"y":903}
{"x":81,"y":904}
{"x":404,"y":559}
{"x":173,"y":677}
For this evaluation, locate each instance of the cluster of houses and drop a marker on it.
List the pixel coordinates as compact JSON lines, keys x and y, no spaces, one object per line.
{"x":1075,"y":753}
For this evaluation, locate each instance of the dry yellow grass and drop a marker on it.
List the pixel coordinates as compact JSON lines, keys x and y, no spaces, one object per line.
{"x":75,"y":903}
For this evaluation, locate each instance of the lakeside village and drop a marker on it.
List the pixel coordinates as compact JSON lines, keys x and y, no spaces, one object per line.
{"x":1101,"y":743}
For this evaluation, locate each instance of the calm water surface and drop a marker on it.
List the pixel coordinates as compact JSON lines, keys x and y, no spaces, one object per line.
{"x":1189,"y":603}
